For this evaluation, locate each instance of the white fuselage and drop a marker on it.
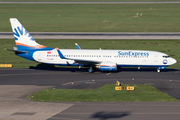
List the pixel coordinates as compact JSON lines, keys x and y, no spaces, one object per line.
{"x":129,"y":58}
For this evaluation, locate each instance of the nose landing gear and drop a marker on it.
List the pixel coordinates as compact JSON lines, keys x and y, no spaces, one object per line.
{"x":158,"y":70}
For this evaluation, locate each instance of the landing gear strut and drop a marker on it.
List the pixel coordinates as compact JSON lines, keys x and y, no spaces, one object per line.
{"x":158,"y":70}
{"x":91,"y":69}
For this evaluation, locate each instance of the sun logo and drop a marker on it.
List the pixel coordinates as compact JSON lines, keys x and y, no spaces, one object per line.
{"x":21,"y":33}
{"x":165,"y":61}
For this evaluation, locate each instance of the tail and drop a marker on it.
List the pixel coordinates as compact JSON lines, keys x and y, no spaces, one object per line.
{"x":23,"y":39}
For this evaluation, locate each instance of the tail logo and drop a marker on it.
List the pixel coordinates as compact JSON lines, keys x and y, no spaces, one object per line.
{"x":21,"y":32}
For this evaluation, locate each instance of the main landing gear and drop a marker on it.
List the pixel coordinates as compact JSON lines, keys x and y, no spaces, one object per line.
{"x":91,"y":69}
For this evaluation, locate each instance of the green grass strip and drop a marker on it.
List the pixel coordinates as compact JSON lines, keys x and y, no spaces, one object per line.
{"x":92,"y":17}
{"x":82,"y":0}
{"x":105,"y":93}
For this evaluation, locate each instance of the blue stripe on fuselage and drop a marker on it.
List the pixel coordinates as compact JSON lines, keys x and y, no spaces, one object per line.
{"x":30,"y":50}
{"x":117,"y":65}
{"x":121,"y":65}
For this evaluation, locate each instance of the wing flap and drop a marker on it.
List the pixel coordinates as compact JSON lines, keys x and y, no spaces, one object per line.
{"x":88,"y":62}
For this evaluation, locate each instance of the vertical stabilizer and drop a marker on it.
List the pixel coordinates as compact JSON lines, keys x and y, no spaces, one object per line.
{"x":23,"y":39}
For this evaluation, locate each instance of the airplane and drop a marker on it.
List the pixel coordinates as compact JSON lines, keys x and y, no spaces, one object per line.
{"x":105,"y":60}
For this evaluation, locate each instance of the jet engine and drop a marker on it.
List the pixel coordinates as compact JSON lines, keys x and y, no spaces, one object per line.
{"x":108,"y":66}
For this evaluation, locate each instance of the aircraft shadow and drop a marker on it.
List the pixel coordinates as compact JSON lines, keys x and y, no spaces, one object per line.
{"x":54,"y":68}
{"x":110,"y":115}
{"x":85,"y":69}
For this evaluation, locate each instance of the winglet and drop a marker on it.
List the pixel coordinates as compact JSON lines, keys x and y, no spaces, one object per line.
{"x":77,"y":46}
{"x":60,"y":54}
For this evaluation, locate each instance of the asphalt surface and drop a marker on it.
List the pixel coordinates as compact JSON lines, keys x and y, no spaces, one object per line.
{"x":120,"y":111}
{"x":98,"y":35}
{"x":167,"y":81}
{"x":129,"y":2}
{"x":16,"y":84}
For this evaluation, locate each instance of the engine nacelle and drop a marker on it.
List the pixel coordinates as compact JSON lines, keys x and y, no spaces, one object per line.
{"x":108,"y":66}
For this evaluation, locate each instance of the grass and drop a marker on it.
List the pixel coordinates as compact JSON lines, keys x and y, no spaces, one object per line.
{"x":83,"y":0}
{"x":92,"y":17}
{"x":105,"y":93}
{"x":170,"y":47}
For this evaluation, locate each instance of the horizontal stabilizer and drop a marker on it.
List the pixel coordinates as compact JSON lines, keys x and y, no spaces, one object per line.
{"x":17,"y":51}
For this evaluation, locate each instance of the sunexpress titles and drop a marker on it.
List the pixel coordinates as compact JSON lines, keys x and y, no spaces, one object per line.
{"x":130,"y":53}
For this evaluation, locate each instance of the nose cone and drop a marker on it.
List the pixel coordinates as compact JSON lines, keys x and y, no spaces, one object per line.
{"x":173,"y":61}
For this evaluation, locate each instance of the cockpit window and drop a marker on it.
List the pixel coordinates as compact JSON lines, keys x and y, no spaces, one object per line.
{"x":165,"y":56}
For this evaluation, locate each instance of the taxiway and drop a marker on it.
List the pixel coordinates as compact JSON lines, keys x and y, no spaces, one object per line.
{"x":99,"y":35}
{"x":16,"y":84}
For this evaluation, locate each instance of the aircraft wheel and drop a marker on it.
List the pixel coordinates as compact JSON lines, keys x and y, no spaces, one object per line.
{"x":158,"y":70}
{"x":90,"y":70}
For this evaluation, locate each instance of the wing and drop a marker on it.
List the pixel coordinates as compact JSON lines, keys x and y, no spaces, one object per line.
{"x":80,"y":61}
{"x":86,"y":62}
